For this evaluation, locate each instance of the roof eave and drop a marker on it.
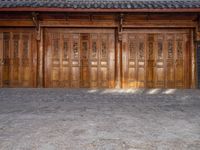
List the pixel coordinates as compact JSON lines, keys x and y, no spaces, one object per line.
{"x":47,"y":9}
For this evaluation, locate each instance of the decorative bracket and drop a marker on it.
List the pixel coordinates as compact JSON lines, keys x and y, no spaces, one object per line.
{"x":37,"y":24}
{"x":120,"y":27}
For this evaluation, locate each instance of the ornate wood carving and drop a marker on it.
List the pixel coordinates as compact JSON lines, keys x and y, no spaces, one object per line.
{"x":65,"y":49}
{"x":35,"y":19}
{"x":75,"y":49}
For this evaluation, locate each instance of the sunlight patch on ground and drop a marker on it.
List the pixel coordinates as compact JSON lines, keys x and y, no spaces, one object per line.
{"x":153,"y":91}
{"x":133,"y":91}
{"x":169,"y":91}
{"x":92,"y":91}
{"x":122,"y":91}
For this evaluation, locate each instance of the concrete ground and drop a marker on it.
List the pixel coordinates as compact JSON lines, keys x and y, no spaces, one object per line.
{"x":84,"y":119}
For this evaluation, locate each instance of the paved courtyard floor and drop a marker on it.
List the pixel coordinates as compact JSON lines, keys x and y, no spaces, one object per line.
{"x":86,"y":119}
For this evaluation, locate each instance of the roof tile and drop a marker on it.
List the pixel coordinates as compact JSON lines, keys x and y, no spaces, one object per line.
{"x":102,"y":4}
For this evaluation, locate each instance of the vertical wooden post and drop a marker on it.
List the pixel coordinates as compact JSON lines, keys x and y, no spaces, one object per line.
{"x":118,"y":54}
{"x":118,"y":62}
{"x":197,"y":54}
{"x":40,"y":58}
{"x":1,"y":59}
{"x":40,"y":55}
{"x":192,"y":60}
{"x":198,"y":64}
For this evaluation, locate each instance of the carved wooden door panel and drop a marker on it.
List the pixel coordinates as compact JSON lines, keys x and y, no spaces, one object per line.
{"x":159,"y":68}
{"x":103,"y":61}
{"x":131,"y":77}
{"x":5,"y":59}
{"x":94,"y":59}
{"x":65,"y":60}
{"x":18,"y":59}
{"x":150,"y":60}
{"x":15,"y":59}
{"x":62,"y":60}
{"x":170,"y":70}
{"x":181,"y":42}
{"x":55,"y":61}
{"x":75,"y":61}
{"x":141,"y":61}
{"x":84,"y":53}
{"x":135,"y":67}
{"x":27,"y":59}
{"x":82,"y":59}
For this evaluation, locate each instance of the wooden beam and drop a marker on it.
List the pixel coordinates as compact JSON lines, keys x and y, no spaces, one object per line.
{"x":16,"y":23}
{"x":62,"y":23}
{"x":159,"y":23}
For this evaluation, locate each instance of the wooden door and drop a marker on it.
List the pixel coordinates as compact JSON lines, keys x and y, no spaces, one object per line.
{"x":105,"y":58}
{"x":155,"y":59}
{"x":94,"y":60}
{"x":58,"y":57}
{"x":5,"y":59}
{"x":84,"y":56}
{"x":150,"y":60}
{"x":135,"y":66}
{"x":181,"y":70}
{"x":159,"y":66}
{"x":170,"y":70}
{"x":176,"y":59}
{"x":18,"y":59}
{"x":75,"y":61}
{"x":90,"y":61}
